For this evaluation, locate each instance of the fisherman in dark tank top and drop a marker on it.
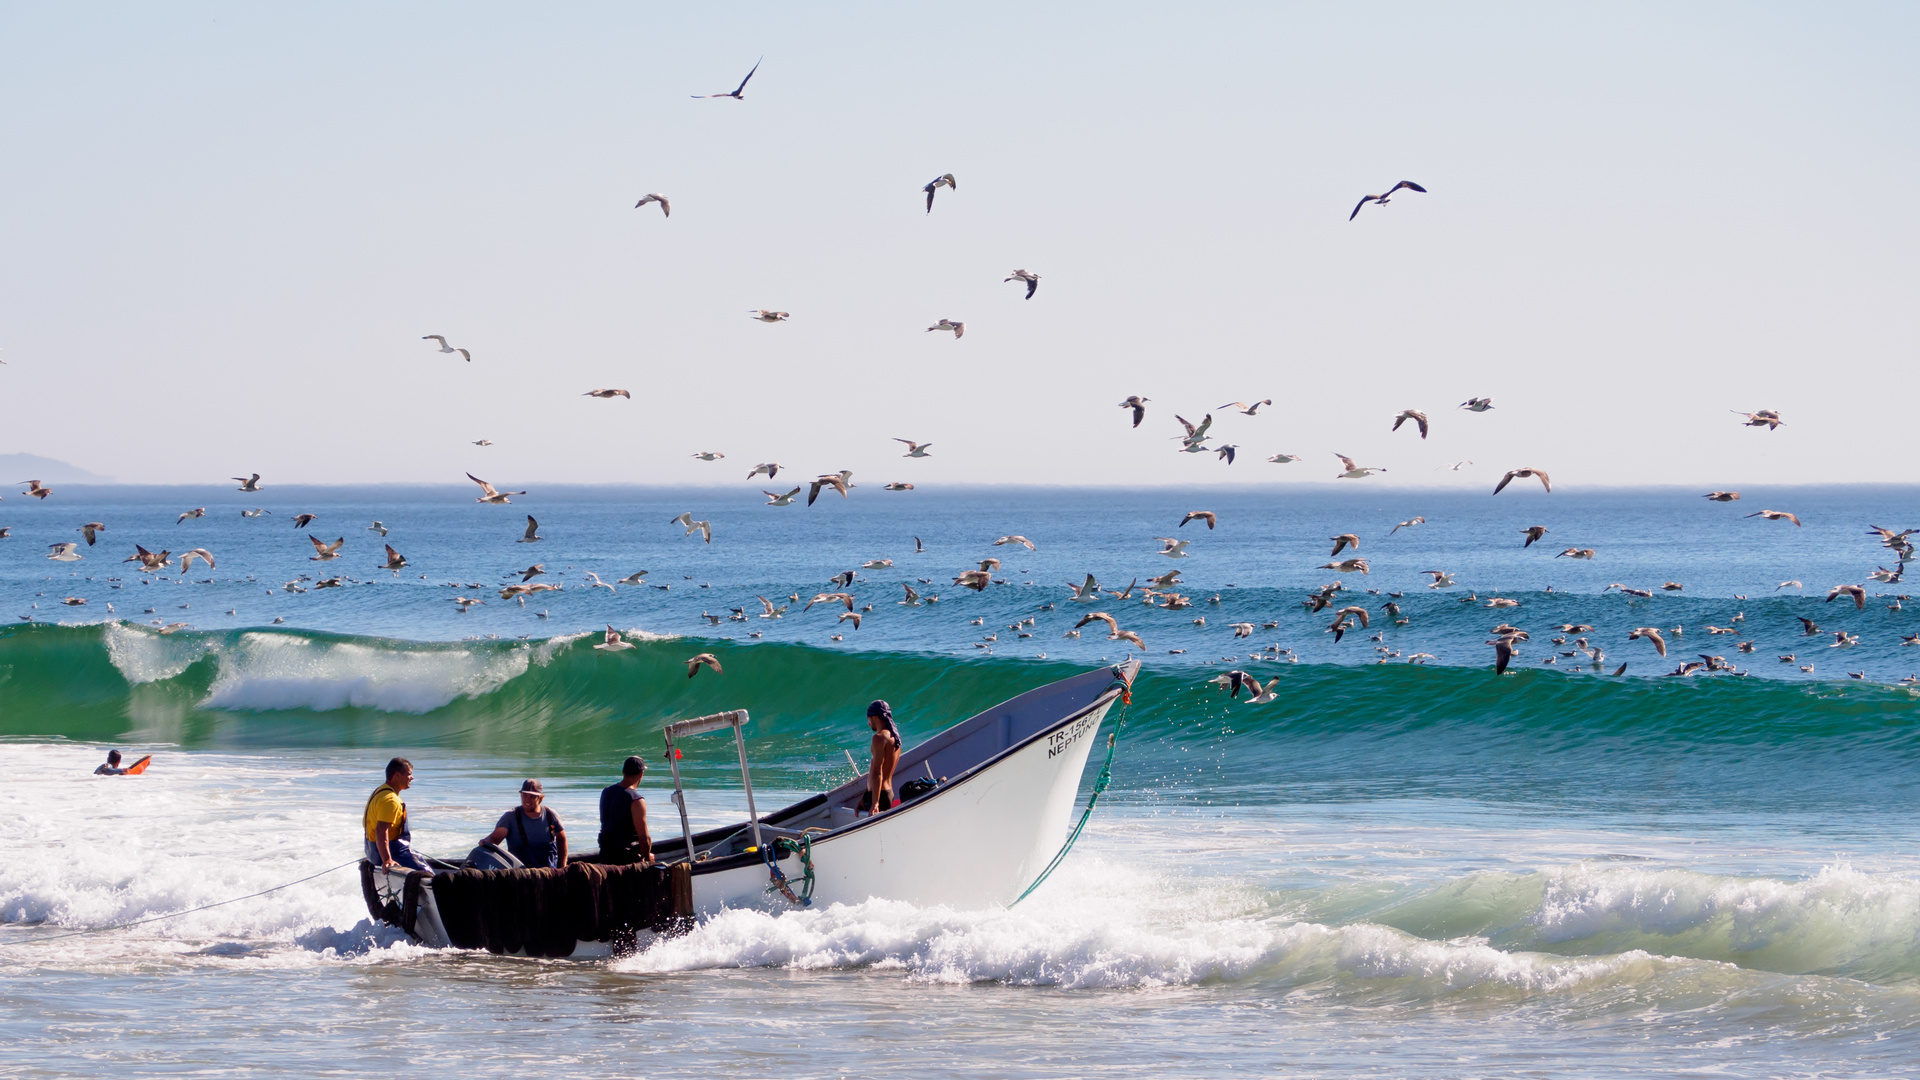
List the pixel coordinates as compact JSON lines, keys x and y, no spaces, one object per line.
{"x":624,"y":839}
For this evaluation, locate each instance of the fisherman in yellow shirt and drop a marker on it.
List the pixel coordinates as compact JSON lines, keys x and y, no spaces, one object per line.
{"x":389,"y":839}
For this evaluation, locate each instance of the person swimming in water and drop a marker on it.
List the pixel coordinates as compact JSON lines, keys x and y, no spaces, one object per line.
{"x":112,"y":767}
{"x":885,"y":754}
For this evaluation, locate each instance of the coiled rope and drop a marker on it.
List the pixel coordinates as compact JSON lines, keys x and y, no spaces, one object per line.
{"x":802,"y":847}
{"x":176,"y":914}
{"x":1099,"y":785}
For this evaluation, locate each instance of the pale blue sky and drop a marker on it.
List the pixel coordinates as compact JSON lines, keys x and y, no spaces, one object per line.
{"x":223,"y":229}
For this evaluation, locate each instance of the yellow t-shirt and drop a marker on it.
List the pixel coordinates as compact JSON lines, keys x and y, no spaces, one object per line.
{"x":385,"y":806}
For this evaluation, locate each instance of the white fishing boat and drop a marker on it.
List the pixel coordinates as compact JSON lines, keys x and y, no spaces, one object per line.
{"x":984,"y":814}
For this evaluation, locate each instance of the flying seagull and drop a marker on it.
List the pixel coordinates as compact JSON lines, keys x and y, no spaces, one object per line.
{"x":444,"y":347}
{"x":1032,"y":279}
{"x":1413,"y":415}
{"x":1384,"y":199}
{"x":251,"y":483}
{"x":914,"y":449}
{"x":36,"y":489}
{"x":770,"y":468}
{"x":1139,"y":406}
{"x":935,"y":184}
{"x":1354,"y":472}
{"x":959,"y":328}
{"x":1207,"y":516}
{"x":705,"y":659}
{"x":766,"y":316}
{"x":1722,"y":496}
{"x":704,"y":528}
{"x":532,"y":535}
{"x":90,"y":528}
{"x":324,"y":552}
{"x":1765,"y":418}
{"x":608,"y":394}
{"x":776,"y":499}
{"x":613,"y":642}
{"x":1775,"y":515}
{"x":666,"y":208}
{"x":836,"y":481}
{"x":735,"y":94}
{"x":1478,"y":404}
{"x":1522,"y":474}
{"x":488,"y":494}
{"x":1247,"y":409}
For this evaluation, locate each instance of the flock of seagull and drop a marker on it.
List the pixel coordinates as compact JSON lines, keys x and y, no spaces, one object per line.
{"x":1160,"y":591}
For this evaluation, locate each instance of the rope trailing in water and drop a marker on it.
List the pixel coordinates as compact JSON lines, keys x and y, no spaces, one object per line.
{"x":1099,"y":785}
{"x":177,"y":914}
{"x":802,"y":847}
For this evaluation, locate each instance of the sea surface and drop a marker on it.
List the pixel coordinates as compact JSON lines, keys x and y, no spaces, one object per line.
{"x":1396,"y":868}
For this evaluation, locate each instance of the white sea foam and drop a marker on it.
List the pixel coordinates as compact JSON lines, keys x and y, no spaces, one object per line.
{"x":1083,"y":935}
{"x":281,"y":671}
{"x":1838,"y":920}
{"x":143,"y":656}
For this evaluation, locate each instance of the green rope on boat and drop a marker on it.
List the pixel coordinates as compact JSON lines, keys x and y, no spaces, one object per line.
{"x":1099,"y":785}
{"x":802,"y":847}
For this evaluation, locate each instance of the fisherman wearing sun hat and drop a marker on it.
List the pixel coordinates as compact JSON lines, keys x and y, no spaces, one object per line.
{"x":532,"y":830}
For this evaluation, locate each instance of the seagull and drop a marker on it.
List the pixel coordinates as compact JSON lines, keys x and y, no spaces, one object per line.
{"x":1859,"y":595}
{"x":1414,"y":415}
{"x":977,"y":580}
{"x":854,"y":615}
{"x":613,"y":642}
{"x":1087,"y":593}
{"x":1282,"y":459}
{"x":770,"y":468}
{"x":735,"y":95}
{"x":1207,"y":516}
{"x":959,"y":328}
{"x":1455,"y":467}
{"x":532,"y":535}
{"x":594,"y":582}
{"x":1226,"y":452}
{"x":1032,"y":279}
{"x":1139,"y":406}
{"x":836,"y":481}
{"x":1477,"y":404}
{"x":1384,"y":199}
{"x":483,"y":442}
{"x":877,"y":564}
{"x":300,"y":521}
{"x":1175,"y":549}
{"x":1344,"y":541}
{"x":634,"y":578}
{"x":1534,"y":532}
{"x":1407,"y":524}
{"x":1005,"y":540}
{"x":1245,"y":408}
{"x":608,"y":394}
{"x":147,"y":559}
{"x":914,"y":449}
{"x":196,"y":512}
{"x":1234,"y":681}
{"x":766,"y":316}
{"x":1114,"y":633}
{"x":1354,"y":472}
{"x":1765,"y":418}
{"x":1503,"y":652}
{"x":249,"y":483}
{"x":1346,"y":566}
{"x":488,"y":494}
{"x":705,"y":659}
{"x":1576,"y":553}
{"x":379,"y":527}
{"x":780,"y":500}
{"x":187,"y":557}
{"x":666,"y":208}
{"x":1788,"y":585}
{"x":1775,"y":515}
{"x":1196,"y":433}
{"x":913,"y":598}
{"x":67,"y":551}
{"x":1522,"y":474}
{"x":898,"y":486}
{"x":829,"y":598}
{"x":704,"y":528}
{"x":1651,"y":634}
{"x":36,"y":489}
{"x":709,"y":455}
{"x":1722,"y":496}
{"x":946,"y":180}
{"x":444,"y":347}
{"x":324,"y":552}
{"x":255,"y":512}
{"x":90,"y":528}
{"x":1441,"y":579}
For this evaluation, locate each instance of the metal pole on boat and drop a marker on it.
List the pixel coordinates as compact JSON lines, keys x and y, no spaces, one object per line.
{"x":746,"y":781}
{"x":679,"y":796}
